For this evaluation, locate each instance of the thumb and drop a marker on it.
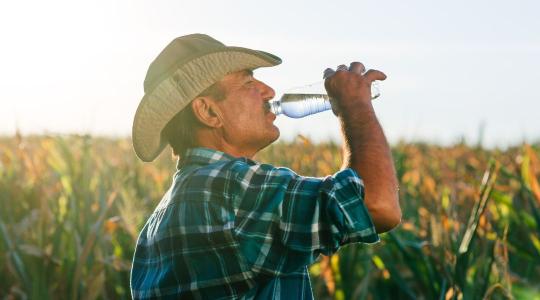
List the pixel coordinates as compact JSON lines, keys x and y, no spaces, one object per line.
{"x":373,"y":75}
{"x":335,"y":108}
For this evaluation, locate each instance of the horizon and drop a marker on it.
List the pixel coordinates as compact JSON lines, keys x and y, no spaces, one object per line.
{"x":291,"y":139}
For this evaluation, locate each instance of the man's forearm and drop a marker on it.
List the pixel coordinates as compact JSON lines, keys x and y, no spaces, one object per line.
{"x":367,"y":152}
{"x":365,"y":148}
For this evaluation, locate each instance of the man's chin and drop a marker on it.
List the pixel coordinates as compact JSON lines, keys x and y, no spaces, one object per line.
{"x":272,"y":139}
{"x":277,"y":133}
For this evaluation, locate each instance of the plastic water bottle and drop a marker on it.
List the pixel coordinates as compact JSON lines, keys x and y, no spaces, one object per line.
{"x":299,"y":105}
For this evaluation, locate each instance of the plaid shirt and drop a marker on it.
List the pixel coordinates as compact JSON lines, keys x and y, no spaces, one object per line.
{"x":231,"y":228}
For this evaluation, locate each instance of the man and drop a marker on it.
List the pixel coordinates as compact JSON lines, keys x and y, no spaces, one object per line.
{"x":230,"y":227}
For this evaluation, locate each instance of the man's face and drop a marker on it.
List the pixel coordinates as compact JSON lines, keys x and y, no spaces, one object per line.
{"x":247,"y":123}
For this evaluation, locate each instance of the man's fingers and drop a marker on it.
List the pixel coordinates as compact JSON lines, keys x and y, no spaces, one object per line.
{"x":328,"y":72}
{"x":357,"y":67}
{"x":342,"y":68}
{"x":372,"y":75}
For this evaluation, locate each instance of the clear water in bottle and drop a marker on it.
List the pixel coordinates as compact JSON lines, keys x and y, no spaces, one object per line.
{"x":299,"y":105}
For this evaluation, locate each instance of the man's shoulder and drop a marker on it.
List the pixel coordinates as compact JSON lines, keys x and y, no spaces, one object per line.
{"x":224,"y":178}
{"x":238,"y":166}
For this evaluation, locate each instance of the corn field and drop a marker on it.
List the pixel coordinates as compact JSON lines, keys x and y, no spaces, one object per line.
{"x":71,"y":208}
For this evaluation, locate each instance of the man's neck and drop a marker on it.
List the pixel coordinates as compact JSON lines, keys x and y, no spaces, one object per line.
{"x":215,"y":141}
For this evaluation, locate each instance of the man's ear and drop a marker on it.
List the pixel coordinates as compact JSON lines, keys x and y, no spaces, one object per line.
{"x":207,"y":112}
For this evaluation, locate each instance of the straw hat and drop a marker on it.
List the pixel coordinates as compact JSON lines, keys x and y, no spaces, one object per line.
{"x":185,"y":68}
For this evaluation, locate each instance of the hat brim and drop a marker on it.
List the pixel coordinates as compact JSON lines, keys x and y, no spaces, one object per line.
{"x":187,"y":81}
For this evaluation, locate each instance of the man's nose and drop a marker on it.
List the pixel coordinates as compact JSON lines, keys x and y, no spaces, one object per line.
{"x":267,"y":92}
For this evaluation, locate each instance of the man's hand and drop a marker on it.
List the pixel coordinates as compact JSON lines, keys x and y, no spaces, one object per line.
{"x":350,"y":87}
{"x":365,"y":147}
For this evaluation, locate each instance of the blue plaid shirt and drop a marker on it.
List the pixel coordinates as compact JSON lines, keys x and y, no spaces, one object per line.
{"x":232,"y":228}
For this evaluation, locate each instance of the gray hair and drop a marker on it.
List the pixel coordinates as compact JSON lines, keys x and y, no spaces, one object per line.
{"x":180,"y":131}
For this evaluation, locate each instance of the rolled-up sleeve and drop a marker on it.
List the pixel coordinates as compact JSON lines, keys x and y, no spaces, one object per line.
{"x":284,"y":221}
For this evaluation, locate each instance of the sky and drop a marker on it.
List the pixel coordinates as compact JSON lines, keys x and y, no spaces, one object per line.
{"x":456,"y":69}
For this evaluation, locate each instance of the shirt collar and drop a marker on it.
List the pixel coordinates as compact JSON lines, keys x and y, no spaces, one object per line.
{"x":202,"y":156}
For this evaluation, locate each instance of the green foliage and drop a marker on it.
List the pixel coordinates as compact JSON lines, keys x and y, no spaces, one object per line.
{"x":71,"y":209}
